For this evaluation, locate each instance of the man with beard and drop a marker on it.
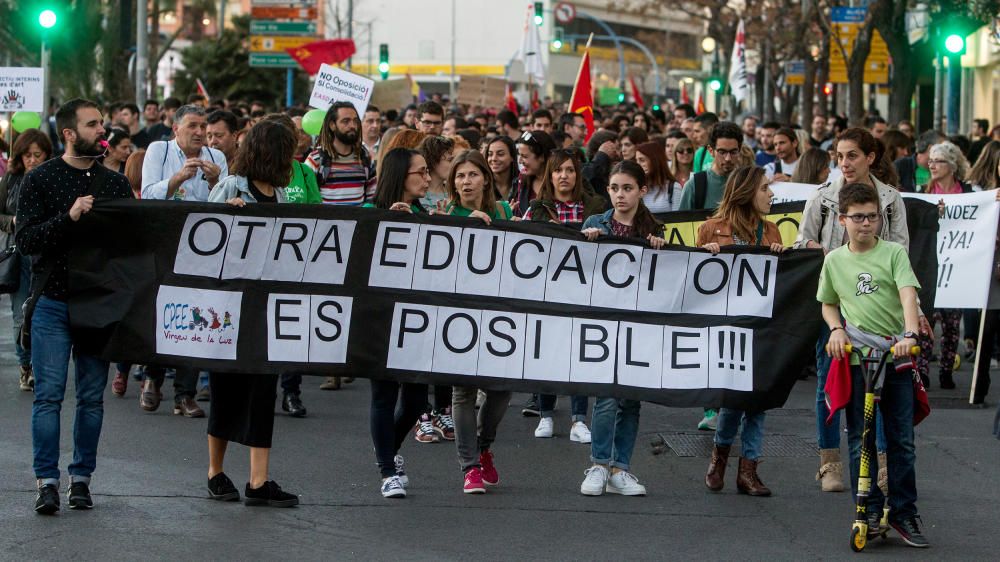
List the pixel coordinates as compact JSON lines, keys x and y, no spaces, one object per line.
{"x":345,"y":172}
{"x":182,"y":169}
{"x":53,"y":197}
{"x":765,"y":152}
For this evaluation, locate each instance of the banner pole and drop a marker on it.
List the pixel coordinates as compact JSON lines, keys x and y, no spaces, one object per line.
{"x":979,"y":349}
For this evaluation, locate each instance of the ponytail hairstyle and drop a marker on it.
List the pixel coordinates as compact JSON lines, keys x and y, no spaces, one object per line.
{"x":644,"y":222}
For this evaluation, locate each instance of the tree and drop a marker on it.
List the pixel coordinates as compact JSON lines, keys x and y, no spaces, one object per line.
{"x":908,"y":60}
{"x":223,"y":66}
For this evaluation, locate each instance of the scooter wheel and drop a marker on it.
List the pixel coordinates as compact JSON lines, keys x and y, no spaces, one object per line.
{"x":859,"y":538}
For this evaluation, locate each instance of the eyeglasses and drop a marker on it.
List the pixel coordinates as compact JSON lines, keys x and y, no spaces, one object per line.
{"x":936,"y":162}
{"x":685,"y":151}
{"x":859,"y":218}
{"x":420,"y":172}
{"x":427,"y":123}
{"x":726,"y":153}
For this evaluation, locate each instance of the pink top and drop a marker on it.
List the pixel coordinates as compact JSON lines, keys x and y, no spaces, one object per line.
{"x":936,"y":188}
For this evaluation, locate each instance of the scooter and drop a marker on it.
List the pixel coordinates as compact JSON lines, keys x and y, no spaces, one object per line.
{"x":873,"y":369}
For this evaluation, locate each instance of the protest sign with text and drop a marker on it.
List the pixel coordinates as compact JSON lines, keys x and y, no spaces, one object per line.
{"x":21,"y":89}
{"x":333,"y":85}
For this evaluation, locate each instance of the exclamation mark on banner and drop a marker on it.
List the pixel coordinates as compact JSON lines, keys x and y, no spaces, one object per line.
{"x":944,"y":273}
{"x":722,"y":349}
{"x":732,"y":350}
{"x":743,"y":351}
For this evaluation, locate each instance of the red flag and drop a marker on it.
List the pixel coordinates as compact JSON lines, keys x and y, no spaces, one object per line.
{"x":635,"y":93}
{"x":202,"y":90}
{"x":509,"y":100}
{"x":535,"y":103}
{"x":700,"y":108}
{"x":311,"y":55}
{"x":685,"y":97}
{"x":582,"y":100}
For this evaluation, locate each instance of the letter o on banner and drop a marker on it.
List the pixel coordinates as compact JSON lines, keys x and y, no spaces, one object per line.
{"x":193,"y":236}
{"x":473,"y":340}
{"x":699,"y":269}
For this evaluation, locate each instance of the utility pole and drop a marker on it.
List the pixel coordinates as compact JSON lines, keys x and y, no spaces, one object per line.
{"x":451,"y":82}
{"x":350,"y":28}
{"x":141,"y":51}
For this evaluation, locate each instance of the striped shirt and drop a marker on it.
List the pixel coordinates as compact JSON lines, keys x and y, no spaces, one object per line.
{"x":342,"y":180}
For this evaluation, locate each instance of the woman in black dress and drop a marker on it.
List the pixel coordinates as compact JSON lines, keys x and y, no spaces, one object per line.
{"x":243,"y":404}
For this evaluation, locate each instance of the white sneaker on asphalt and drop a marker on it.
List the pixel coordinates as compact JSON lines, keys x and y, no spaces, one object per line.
{"x":595,"y":481}
{"x":544,"y":429}
{"x":393,"y":488}
{"x":626,"y":484}
{"x":401,"y":470}
{"x":580,"y":433}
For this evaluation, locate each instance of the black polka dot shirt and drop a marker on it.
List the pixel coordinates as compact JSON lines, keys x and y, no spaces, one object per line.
{"x":43,"y":224}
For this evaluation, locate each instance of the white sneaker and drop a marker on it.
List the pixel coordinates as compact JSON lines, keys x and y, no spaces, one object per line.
{"x":595,"y":481}
{"x":401,"y":470}
{"x":544,"y":429}
{"x":626,"y":484}
{"x":392,"y":488}
{"x":580,"y":433}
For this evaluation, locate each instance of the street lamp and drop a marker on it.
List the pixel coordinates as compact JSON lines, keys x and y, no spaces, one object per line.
{"x":708,"y":45}
{"x":47,"y":20}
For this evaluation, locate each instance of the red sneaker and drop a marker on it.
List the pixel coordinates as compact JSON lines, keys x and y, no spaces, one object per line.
{"x":474,"y":481}
{"x":490,"y":476}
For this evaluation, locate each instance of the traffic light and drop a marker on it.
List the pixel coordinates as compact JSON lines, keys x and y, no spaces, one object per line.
{"x":47,"y":19}
{"x":539,"y":16}
{"x":656,"y":107}
{"x":951,"y":31}
{"x":715,"y":84}
{"x":827,"y":89}
{"x":383,"y":60}
{"x":621,"y":97}
{"x":954,"y":44}
{"x":557,"y":39}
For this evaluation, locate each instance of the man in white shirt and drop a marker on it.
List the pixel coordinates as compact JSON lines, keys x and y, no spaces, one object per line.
{"x":786,"y":148}
{"x":183,"y":169}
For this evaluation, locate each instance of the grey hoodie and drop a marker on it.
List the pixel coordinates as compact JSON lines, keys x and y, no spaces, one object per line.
{"x":236,"y":186}
{"x":820,"y":217}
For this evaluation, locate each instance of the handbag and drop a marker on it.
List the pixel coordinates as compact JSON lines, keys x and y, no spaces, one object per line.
{"x":45,"y":270}
{"x":10,"y":266}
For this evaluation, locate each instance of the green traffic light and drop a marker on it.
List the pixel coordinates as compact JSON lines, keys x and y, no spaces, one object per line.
{"x":621,"y":97}
{"x":715,"y":84}
{"x":539,"y":10}
{"x":656,"y":107}
{"x":383,"y":67}
{"x":954,"y":43}
{"x":47,"y":19}
{"x":557,"y":44}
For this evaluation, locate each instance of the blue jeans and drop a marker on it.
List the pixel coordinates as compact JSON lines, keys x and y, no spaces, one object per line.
{"x":17,"y":299}
{"x":51,"y":346}
{"x":828,"y":436}
{"x":897,"y":414}
{"x":613,"y":431}
{"x":752,"y":435}
{"x":578,"y":406}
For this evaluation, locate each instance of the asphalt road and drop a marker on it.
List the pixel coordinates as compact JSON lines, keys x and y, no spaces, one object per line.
{"x":150,"y":488}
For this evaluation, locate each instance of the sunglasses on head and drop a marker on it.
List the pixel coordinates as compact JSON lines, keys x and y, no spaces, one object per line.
{"x":528,"y":137}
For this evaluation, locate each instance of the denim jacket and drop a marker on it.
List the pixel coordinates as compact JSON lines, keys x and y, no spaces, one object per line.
{"x":601,"y":222}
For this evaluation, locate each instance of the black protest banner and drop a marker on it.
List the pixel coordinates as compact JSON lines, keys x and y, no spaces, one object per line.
{"x":681,"y":227}
{"x":444,"y":300}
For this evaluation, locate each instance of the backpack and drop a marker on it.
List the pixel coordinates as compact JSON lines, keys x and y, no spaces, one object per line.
{"x":700,"y":189}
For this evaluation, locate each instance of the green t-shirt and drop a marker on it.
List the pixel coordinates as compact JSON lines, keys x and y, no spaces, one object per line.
{"x":866,"y":286}
{"x":302,"y":188}
{"x":417,"y":209}
{"x":922,"y":175}
{"x":501,"y":212}
{"x":716,"y":185}
{"x":702,"y":160}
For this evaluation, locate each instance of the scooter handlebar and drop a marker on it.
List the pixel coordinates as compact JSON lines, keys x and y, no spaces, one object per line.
{"x":914,"y":351}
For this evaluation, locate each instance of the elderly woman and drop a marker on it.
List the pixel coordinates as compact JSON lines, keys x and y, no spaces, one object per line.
{"x":948,"y":169}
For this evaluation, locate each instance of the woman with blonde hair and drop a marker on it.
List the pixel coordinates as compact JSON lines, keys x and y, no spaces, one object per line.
{"x":682,"y":160}
{"x":813,"y":168}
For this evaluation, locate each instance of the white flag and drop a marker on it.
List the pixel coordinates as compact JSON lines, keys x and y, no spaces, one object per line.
{"x":531,"y":50}
{"x":738,"y":67}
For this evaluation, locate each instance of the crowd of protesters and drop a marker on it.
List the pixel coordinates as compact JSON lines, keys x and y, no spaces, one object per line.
{"x":436,"y":157}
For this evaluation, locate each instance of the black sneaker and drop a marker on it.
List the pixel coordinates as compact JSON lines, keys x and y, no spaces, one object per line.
{"x":910,"y":532}
{"x":79,"y":496}
{"x":874,"y":522}
{"x":47,"y":502}
{"x":222,"y":489}
{"x":269,"y":494}
{"x":530,"y":409}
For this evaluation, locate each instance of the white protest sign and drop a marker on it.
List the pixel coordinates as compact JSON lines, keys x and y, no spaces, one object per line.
{"x":21,"y":89}
{"x":965,"y":241}
{"x":333,"y":85}
{"x":786,"y":191}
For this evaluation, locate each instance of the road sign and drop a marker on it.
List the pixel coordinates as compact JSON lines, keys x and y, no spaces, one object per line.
{"x":564,"y":12}
{"x":274,"y":60}
{"x":795,"y":73}
{"x":847,"y":24}
{"x":277,"y":43}
{"x":272,"y":27}
{"x":283,"y":13}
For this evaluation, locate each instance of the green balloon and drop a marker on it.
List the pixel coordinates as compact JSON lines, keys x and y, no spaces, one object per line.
{"x":24,"y":120}
{"x":312,"y":122}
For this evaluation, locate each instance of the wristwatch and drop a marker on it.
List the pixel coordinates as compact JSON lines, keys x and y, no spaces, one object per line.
{"x":909,"y":335}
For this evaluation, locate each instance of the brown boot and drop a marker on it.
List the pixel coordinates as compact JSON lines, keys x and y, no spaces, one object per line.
{"x":149,"y":398}
{"x":715,"y":479}
{"x":331,"y":383}
{"x":188,"y":408}
{"x":831,"y":470}
{"x":747,"y":481}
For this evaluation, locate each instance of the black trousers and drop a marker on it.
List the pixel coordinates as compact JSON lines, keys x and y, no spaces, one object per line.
{"x":991,"y":331}
{"x":394,"y":410}
{"x":185,"y":380}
